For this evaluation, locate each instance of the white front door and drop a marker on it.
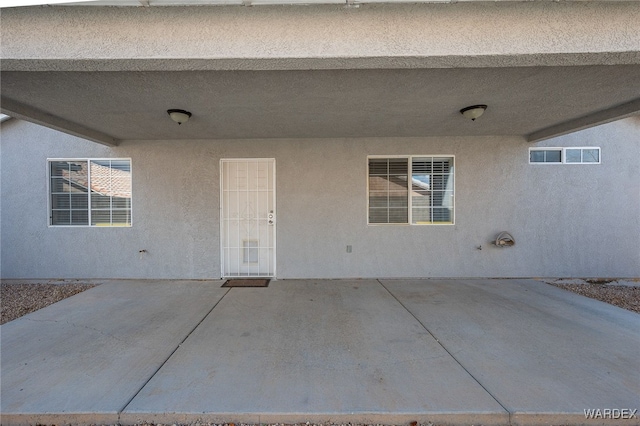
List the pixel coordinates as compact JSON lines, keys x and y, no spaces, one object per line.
{"x":248,"y":217}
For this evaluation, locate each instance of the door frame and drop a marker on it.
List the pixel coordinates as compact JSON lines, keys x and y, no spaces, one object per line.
{"x":224,"y":273}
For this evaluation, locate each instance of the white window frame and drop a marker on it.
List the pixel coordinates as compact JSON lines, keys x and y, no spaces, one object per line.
{"x":409,"y":205}
{"x":89,"y":225}
{"x":582,"y":148}
{"x":563,"y":154}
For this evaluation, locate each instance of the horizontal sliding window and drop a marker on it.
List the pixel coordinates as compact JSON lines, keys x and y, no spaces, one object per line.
{"x":545,"y":156}
{"x":90,"y":192}
{"x":570,"y":155}
{"x":582,"y":155}
{"x":417,"y":190}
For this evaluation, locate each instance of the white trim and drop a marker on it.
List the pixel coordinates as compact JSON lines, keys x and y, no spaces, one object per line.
{"x":563,"y":154}
{"x":88,"y":160}
{"x":409,"y":207}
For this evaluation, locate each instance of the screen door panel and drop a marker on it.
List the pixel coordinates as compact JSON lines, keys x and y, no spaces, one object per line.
{"x":248,"y":218}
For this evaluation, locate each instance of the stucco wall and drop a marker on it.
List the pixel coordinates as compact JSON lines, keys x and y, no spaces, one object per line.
{"x":281,"y":37}
{"x":568,"y":220}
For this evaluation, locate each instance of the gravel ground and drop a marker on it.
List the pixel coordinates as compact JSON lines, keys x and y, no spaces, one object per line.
{"x":624,"y":294}
{"x":17,"y":300}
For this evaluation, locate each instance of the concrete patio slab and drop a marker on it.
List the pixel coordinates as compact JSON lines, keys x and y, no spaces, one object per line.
{"x":491,"y":352}
{"x":544,"y":353}
{"x":83,"y":359}
{"x":312,"y":350}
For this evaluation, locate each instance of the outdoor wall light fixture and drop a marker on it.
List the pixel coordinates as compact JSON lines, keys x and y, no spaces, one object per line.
{"x":473,"y":112}
{"x":179,"y":115}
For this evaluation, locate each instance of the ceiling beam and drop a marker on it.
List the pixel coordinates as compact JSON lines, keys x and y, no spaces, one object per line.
{"x":27,"y":113}
{"x":326,"y":63}
{"x":590,"y":120}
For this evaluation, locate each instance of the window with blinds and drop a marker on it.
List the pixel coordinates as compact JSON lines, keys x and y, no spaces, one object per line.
{"x":90,"y":192}
{"x":388,"y":190}
{"x":417,"y":190}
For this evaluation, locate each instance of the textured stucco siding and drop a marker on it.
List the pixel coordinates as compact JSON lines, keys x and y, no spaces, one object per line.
{"x":568,"y":220}
{"x":309,"y":37}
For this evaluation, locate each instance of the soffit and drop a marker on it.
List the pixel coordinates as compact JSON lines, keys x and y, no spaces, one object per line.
{"x":109,"y":74}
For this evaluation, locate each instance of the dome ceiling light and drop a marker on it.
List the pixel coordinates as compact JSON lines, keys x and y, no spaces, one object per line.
{"x":179,"y":115}
{"x":473,"y":112}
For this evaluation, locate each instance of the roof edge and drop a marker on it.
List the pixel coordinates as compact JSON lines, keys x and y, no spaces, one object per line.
{"x":163,"y":3}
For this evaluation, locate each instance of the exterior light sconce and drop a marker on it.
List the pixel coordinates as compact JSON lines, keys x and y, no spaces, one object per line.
{"x":504,"y":239}
{"x":473,"y":112}
{"x":179,"y":115}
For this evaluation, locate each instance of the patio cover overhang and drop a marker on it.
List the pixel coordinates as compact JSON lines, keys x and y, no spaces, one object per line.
{"x":108,"y":74}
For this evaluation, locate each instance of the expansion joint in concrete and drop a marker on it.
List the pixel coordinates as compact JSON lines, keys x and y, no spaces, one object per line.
{"x":450,"y":353}
{"x":169,"y":356}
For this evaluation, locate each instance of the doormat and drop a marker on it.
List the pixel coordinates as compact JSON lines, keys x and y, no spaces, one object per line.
{"x":252,"y":282}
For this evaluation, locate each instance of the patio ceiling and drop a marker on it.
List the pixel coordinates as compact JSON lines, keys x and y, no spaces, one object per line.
{"x":105,"y":88}
{"x":526,"y":101}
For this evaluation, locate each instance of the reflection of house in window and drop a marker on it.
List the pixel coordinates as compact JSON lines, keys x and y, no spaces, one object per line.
{"x":388,"y":190}
{"x":431,"y":199}
{"x":90,"y":192}
{"x":432,"y":190}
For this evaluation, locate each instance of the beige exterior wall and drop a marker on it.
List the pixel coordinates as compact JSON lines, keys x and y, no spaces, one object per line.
{"x":568,"y":220}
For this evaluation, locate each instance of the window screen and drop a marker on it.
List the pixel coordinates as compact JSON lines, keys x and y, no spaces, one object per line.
{"x":582,"y":155}
{"x":545,"y":156}
{"x":432,"y":190}
{"x":90,"y":192}
{"x":418,"y":190}
{"x":388,"y":190}
{"x":69,"y":192}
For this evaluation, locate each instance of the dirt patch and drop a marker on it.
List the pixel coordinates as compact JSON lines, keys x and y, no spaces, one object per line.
{"x":17,"y":300}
